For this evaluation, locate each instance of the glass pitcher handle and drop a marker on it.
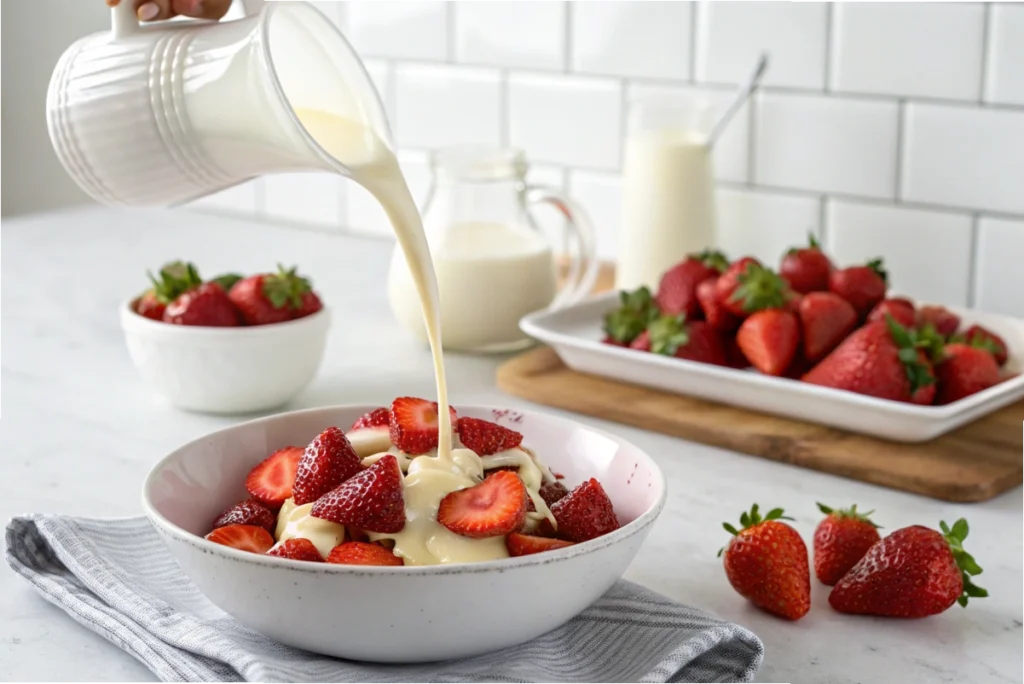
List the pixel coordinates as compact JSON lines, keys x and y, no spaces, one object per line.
{"x":584,"y":265}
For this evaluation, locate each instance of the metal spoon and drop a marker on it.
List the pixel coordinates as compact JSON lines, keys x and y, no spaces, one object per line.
{"x":741,"y":97}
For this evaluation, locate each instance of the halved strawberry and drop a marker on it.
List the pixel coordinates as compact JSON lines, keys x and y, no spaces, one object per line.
{"x":585,"y":513}
{"x":297,"y":549}
{"x":243,"y":537}
{"x":362,"y":553}
{"x":413,"y":424}
{"x":486,"y":438}
{"x":371,"y":500}
{"x":552,"y":492}
{"x":492,"y":508}
{"x":248,"y":512}
{"x":328,"y":461}
{"x":271,"y":481}
{"x":378,"y":417}
{"x":526,"y":544}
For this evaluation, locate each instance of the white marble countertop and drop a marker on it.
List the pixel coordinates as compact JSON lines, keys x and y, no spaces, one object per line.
{"x":78,"y":432}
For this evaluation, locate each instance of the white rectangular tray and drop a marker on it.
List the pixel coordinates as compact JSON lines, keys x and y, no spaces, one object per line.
{"x":575,"y":334}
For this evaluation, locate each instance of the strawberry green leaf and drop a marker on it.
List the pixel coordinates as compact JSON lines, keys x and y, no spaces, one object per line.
{"x":812,"y":241}
{"x":226,"y":281}
{"x":824,"y":509}
{"x":730,"y":529}
{"x":878,"y":267}
{"x":968,"y":566}
{"x":760,"y":288}
{"x":714,"y":259}
{"x":636,"y":310}
{"x":176,"y":278}
{"x":960,"y":529}
{"x":285,"y":288}
{"x":668,"y":334}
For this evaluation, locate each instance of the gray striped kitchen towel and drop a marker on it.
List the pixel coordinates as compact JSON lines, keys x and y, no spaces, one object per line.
{"x":118,"y":579}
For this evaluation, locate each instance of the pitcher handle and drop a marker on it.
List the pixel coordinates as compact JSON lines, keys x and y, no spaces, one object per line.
{"x":584,"y":268}
{"x":125,"y":22}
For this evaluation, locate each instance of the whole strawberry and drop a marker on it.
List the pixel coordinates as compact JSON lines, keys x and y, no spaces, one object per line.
{"x":269,"y":298}
{"x":206,"y":305}
{"x":175,"y":279}
{"x":965,"y":370}
{"x":862,"y":286}
{"x":840,"y":540}
{"x":677,"y":290}
{"x":690,"y":340}
{"x":766,"y":563}
{"x":914,"y":572}
{"x":977,"y":336}
{"x":806,"y":269}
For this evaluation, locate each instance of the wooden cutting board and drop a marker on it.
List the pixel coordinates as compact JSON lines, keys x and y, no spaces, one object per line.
{"x":973,"y":463}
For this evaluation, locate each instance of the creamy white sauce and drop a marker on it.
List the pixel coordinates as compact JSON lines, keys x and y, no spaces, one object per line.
{"x":295,"y":522}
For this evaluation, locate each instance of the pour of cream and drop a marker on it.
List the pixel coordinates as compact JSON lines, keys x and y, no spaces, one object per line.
{"x":295,"y":522}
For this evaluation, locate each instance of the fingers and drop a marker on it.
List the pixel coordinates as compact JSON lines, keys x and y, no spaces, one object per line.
{"x":153,"y":10}
{"x":202,"y":9}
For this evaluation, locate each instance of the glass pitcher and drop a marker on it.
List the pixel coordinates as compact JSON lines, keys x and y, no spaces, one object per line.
{"x":493,"y":263}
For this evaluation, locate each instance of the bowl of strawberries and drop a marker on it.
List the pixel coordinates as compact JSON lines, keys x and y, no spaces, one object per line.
{"x":349,"y":531}
{"x":230,"y":344}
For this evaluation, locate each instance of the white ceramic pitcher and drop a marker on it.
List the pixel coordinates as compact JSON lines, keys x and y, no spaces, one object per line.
{"x":166,"y":113}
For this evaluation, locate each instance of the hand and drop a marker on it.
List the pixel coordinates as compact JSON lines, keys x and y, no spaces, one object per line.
{"x":154,"y":10}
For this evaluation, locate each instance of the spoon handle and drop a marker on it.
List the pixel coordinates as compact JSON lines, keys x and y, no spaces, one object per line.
{"x":741,"y":97}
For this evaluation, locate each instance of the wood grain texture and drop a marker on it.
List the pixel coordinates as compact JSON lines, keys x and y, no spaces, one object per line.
{"x":973,"y":463}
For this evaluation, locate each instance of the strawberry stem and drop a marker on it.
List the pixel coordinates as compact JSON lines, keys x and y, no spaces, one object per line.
{"x":878,"y":267}
{"x":850,"y":512}
{"x":909,"y":354}
{"x":752,"y":519}
{"x":968,"y":566}
{"x":176,"y":278}
{"x":668,"y":334}
{"x":760,"y":288}
{"x":637,"y":309}
{"x":713,"y":259}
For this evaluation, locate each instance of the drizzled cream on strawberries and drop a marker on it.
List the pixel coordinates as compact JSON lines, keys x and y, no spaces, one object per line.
{"x":295,"y":522}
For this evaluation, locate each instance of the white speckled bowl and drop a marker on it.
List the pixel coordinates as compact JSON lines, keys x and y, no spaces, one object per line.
{"x":226,"y":370}
{"x":404,"y":614}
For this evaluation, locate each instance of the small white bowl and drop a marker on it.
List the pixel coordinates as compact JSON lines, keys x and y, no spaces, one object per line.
{"x":403,"y":614}
{"x":226,"y":370}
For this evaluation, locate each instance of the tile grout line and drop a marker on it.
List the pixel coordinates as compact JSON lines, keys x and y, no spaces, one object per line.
{"x":449,"y":27}
{"x":568,"y":19}
{"x":901,"y":112}
{"x":753,"y":109}
{"x":504,"y":109}
{"x":829,"y":53}
{"x":693,"y":43}
{"x":823,"y":231}
{"x":986,"y":37}
{"x":972,"y":263}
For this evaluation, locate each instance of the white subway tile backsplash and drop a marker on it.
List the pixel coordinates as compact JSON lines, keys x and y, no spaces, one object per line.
{"x":244,"y":199}
{"x":964,"y":156}
{"x":311,"y":198}
{"x":1004,"y":82}
{"x":516,"y":34}
{"x":648,"y":39}
{"x":403,"y":30}
{"x":565,"y":120}
{"x":731,"y":35}
{"x":827,"y":144}
{"x":764,"y":225}
{"x":730,"y":154}
{"x":908,"y":48}
{"x":601,"y":197}
{"x":999,"y":278}
{"x":439,"y":105}
{"x":904,"y":238}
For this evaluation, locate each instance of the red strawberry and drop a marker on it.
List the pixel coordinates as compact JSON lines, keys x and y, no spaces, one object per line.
{"x":150,"y":306}
{"x":880,"y":360}
{"x":492,"y":508}
{"x":977,"y":336}
{"x":175,"y":279}
{"x":486,"y":438}
{"x":243,"y":537}
{"x":552,"y":492}
{"x":733,"y":354}
{"x":614,"y":343}
{"x":248,"y":512}
{"x":636,"y":309}
{"x":766,"y":563}
{"x":798,"y":366}
{"x":362,"y":553}
{"x":268,"y":298}
{"x":206,"y":305}
{"x":371,"y":500}
{"x":378,"y":417}
{"x":414,"y":425}
{"x":717,"y":316}
{"x":826,"y":319}
{"x":925,"y":394}
{"x":310,"y":305}
{"x":328,"y":461}
{"x":963,"y":371}
{"x":585,"y":513}
{"x":840,"y":540}
{"x":769,"y":339}
{"x":862,"y":286}
{"x":806,"y":269}
{"x":677,"y":289}
{"x":527,"y":544}
{"x":914,"y":572}
{"x":271,"y":481}
{"x":945,"y":321}
{"x":902,"y":311}
{"x":642,"y":342}
{"x":693,"y":340}
{"x":297,"y":549}
{"x":747,"y":286}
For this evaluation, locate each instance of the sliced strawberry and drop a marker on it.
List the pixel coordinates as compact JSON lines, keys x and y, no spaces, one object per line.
{"x":371,"y":500}
{"x":527,"y":544}
{"x":492,"y":508}
{"x":328,"y":461}
{"x":486,"y":438}
{"x":271,"y":481}
{"x":297,"y":549}
{"x":585,"y":513}
{"x":243,"y":537}
{"x":378,"y":417}
{"x":552,"y":492}
{"x":248,"y":512}
{"x":414,"y":426}
{"x":362,"y":553}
